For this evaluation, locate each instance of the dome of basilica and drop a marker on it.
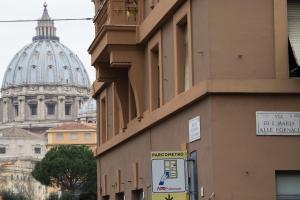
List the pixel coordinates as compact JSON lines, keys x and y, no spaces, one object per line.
{"x":45,"y":84}
{"x":45,"y":61}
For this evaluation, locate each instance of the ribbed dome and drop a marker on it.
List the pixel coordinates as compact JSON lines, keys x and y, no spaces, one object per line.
{"x":45,"y":61}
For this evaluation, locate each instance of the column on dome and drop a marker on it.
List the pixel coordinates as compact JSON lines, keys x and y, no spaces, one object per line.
{"x":41,"y":107}
{"x":21,"y":100}
{"x":61,"y":107}
{"x":5,"y":110}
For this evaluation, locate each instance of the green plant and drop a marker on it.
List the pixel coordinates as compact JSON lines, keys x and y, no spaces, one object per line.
{"x":72,"y":168}
{"x":9,"y":195}
{"x":68,"y":196}
{"x":53,"y":196}
{"x":88,"y":196}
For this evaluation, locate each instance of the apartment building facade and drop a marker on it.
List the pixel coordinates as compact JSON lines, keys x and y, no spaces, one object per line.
{"x":72,"y":134}
{"x":230,"y":65}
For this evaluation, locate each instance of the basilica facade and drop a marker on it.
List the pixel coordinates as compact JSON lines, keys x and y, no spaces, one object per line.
{"x":45,"y":84}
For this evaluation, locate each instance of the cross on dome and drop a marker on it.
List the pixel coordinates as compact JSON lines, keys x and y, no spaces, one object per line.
{"x":45,"y":15}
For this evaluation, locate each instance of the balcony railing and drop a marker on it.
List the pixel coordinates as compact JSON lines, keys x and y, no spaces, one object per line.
{"x":116,"y":12}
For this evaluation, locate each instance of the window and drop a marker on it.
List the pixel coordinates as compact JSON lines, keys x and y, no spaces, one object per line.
{"x":37,"y":150}
{"x":74,"y":136}
{"x":132,"y":104}
{"x":120,"y":196}
{"x":33,"y":109}
{"x":294,"y":37}
{"x":87,"y":136}
{"x":16,"y":110}
{"x":2,"y":150}
{"x":288,"y":185}
{"x":104,"y":188}
{"x":193,"y":176}
{"x":51,"y":109}
{"x":116,"y":112}
{"x":155,"y":72}
{"x":155,"y":68}
{"x":137,"y":195}
{"x":59,"y":136}
{"x":131,"y":7}
{"x":182,"y":56}
{"x":182,"y":49}
{"x":185,"y":54}
{"x":68,"y":109}
{"x":103,"y":116}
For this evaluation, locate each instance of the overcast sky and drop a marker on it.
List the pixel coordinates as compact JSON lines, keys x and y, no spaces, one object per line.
{"x":77,"y":35}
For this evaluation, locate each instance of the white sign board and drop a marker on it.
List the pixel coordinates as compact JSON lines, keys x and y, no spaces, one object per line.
{"x":277,"y":123}
{"x":194,"y":129}
{"x":168,"y":172}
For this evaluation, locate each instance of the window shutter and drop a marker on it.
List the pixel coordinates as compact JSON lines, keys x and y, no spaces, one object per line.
{"x":294,"y":28}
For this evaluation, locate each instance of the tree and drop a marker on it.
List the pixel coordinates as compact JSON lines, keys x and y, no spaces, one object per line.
{"x":53,"y":196}
{"x":9,"y":195}
{"x":71,"y":168}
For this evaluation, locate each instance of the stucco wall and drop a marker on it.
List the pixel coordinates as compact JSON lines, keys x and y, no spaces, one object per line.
{"x":244,"y":162}
{"x":241,"y":39}
{"x":168,"y":135}
{"x":232,"y":161}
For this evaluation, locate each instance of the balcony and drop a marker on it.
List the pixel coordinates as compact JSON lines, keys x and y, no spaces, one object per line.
{"x":115,"y":24}
{"x":115,"y":12}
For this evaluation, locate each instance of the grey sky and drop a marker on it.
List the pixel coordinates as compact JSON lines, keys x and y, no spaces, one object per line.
{"x":77,"y":35}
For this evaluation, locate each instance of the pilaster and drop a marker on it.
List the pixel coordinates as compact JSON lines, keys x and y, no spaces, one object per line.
{"x":41,"y":107}
{"x":76,"y":107}
{"x":21,"y":107}
{"x":5,"y":110}
{"x":61,"y":108}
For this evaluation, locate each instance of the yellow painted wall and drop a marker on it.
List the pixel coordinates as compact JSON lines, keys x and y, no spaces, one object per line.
{"x":53,"y":140}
